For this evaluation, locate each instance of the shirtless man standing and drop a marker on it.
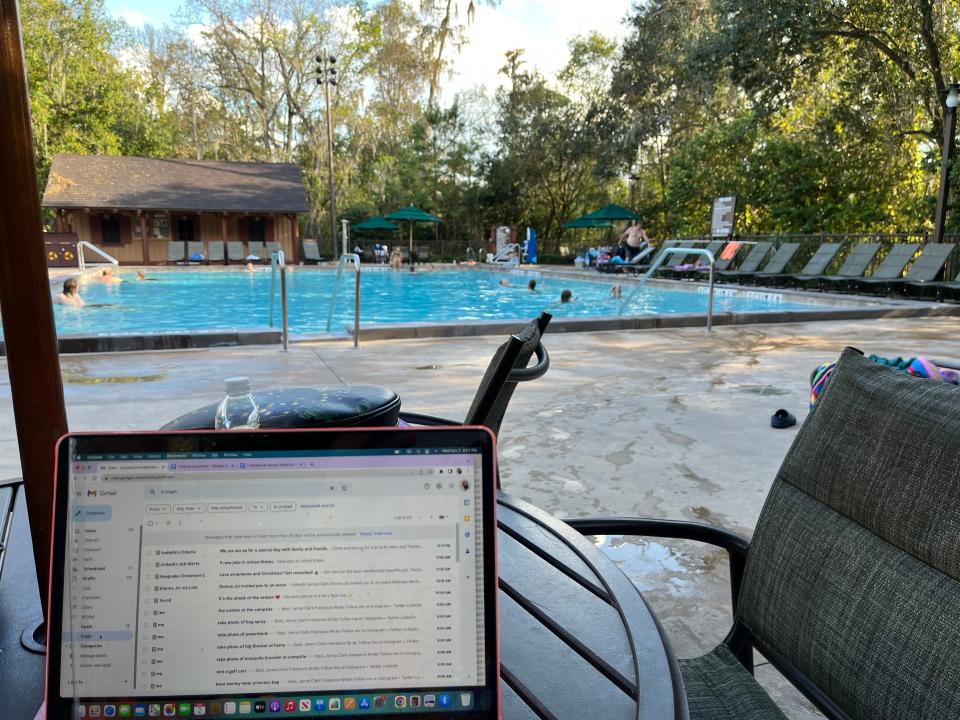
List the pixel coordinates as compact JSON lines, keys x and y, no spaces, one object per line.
{"x":636,"y":239}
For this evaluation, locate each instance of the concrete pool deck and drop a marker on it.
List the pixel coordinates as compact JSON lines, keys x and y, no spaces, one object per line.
{"x":670,"y":423}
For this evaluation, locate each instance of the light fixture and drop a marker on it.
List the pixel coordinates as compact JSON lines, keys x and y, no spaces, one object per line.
{"x":953,"y":95}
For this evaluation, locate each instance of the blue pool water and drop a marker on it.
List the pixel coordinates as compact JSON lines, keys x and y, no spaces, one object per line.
{"x":181,"y":300}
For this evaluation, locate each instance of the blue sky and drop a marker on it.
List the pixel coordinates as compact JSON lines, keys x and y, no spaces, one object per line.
{"x":541,"y":27}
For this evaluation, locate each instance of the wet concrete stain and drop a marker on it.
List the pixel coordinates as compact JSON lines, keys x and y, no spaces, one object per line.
{"x":83,"y":379}
{"x":673,"y":437}
{"x":763,"y":390}
{"x":701,"y":481}
{"x":623,"y":457}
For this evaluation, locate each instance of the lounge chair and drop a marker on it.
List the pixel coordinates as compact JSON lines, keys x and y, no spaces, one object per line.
{"x":422,"y":254}
{"x":924,"y":269}
{"x":175,"y":252}
{"x":235,"y":252}
{"x":750,"y":264}
{"x":215,"y":252}
{"x":256,"y":251}
{"x":507,"y":368}
{"x":815,"y":266}
{"x":652,"y":259}
{"x":699,"y":262}
{"x":854,"y":266}
{"x":777,"y":264}
{"x":890,"y":268}
{"x":850,"y":586}
{"x":273,"y":247}
{"x":945,"y":290}
{"x":311,"y":252}
{"x":640,"y":259}
{"x":194,"y":251}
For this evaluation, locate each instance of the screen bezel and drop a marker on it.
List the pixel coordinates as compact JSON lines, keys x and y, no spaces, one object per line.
{"x":476,"y":439}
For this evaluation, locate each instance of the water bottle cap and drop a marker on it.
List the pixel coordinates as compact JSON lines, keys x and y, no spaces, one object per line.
{"x":237,"y":385}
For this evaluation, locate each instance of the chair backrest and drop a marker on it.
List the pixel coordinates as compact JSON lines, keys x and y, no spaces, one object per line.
{"x":781,"y":257}
{"x":931,"y":261}
{"x":731,"y":249}
{"x":853,"y":575}
{"x":506,"y":369}
{"x":194,"y":247}
{"x":255,"y":247}
{"x":310,"y":250}
{"x":175,"y":250}
{"x":821,"y":259}
{"x":755,"y":257}
{"x":896,"y":260}
{"x":215,"y":250}
{"x":861,"y":255}
{"x":663,"y":246}
{"x":235,"y":250}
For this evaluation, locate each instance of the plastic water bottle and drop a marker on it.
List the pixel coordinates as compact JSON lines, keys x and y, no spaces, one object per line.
{"x":238,"y":411}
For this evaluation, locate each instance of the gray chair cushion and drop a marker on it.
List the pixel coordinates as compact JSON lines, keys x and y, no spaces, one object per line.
{"x":854,"y":569}
{"x":719,"y":688}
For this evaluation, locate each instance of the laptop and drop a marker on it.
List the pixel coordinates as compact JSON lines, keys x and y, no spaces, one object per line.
{"x":282,"y":574}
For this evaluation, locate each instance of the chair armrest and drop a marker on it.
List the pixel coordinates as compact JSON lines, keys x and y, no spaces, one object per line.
{"x":737,"y":547}
{"x":532,"y":373}
{"x":429,"y":420}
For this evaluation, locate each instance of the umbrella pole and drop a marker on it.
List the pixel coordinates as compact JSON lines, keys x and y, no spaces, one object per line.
{"x":411,"y":246}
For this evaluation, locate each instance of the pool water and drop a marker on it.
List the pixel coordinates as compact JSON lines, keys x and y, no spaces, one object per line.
{"x":184,"y":300}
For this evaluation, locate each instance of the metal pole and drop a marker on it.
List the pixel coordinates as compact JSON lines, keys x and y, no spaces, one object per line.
{"x":345,"y":235}
{"x":710,"y":296}
{"x":273,"y":283}
{"x":333,"y":201}
{"x":283,"y":307}
{"x":356,"y":309}
{"x":949,"y":128}
{"x":28,"y":326}
{"x":411,"y":244}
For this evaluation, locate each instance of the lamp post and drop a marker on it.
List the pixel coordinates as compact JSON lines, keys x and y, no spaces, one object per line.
{"x":946,"y":154}
{"x":327,"y":76}
{"x":633,"y":189}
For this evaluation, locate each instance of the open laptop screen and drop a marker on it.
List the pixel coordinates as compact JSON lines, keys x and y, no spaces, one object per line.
{"x":289,"y":581}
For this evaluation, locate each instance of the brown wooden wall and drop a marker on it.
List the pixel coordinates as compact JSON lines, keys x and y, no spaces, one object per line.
{"x":207,"y":227}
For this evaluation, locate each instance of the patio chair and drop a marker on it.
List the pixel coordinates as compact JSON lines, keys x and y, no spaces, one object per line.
{"x":854,"y":266}
{"x":195,"y":249}
{"x":235,"y":252}
{"x":642,"y":258}
{"x":890,"y":268}
{"x":255,"y":249}
{"x":699,"y":262}
{"x":776,"y":265}
{"x":273,"y":247}
{"x":651,"y":260}
{"x":815,"y":267}
{"x":750,"y":264}
{"x":311,"y":252}
{"x":924,"y":269}
{"x":507,"y":368}
{"x":215,"y":252}
{"x":422,"y":254}
{"x":944,"y":290}
{"x":851,"y":584}
{"x":175,"y":252}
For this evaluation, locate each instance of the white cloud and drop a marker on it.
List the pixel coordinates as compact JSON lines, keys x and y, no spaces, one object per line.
{"x":131,"y":16}
{"x":542,"y":28}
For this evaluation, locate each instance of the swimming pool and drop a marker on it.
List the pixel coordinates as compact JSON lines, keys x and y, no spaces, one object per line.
{"x":194,"y":300}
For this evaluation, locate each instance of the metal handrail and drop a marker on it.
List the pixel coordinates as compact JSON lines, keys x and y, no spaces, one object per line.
{"x":660,"y":260}
{"x":512,"y":247}
{"x":278,"y":260}
{"x":356,"y":298}
{"x":82,"y":264}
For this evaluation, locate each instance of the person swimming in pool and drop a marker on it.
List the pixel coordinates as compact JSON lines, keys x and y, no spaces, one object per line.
{"x":616,"y":291}
{"x":107,"y":276}
{"x":504,"y":283}
{"x":532,"y":286}
{"x":566,"y":296}
{"x":70,"y":294}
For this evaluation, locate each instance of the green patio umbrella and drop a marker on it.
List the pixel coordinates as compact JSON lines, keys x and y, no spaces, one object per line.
{"x":587,"y":222}
{"x":412,"y":215}
{"x":612,"y":212}
{"x":375,"y":223}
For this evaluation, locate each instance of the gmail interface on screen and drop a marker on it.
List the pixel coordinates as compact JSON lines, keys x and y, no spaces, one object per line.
{"x":222,"y":573}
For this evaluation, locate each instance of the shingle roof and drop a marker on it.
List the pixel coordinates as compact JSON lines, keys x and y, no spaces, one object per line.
{"x":101,"y":181}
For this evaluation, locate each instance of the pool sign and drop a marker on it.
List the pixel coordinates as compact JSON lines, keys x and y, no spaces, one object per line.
{"x":722,"y":217}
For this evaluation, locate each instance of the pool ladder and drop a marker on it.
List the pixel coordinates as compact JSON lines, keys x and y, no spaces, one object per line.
{"x":82,"y":264}
{"x":661,"y":258}
{"x":278,"y":263}
{"x":355,"y":259}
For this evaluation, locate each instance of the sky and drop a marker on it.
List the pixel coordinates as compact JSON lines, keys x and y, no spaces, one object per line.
{"x":542,"y":27}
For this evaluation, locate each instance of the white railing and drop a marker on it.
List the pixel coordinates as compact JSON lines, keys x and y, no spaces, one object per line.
{"x":505,"y":253}
{"x":355,"y":259}
{"x":278,"y":263}
{"x":83,"y":264}
{"x":660,"y":260}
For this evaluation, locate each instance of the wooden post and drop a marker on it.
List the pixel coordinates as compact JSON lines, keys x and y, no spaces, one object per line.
{"x":143,"y":237}
{"x":295,"y":236}
{"x":28,"y":326}
{"x":223,"y":230}
{"x":60,"y":224}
